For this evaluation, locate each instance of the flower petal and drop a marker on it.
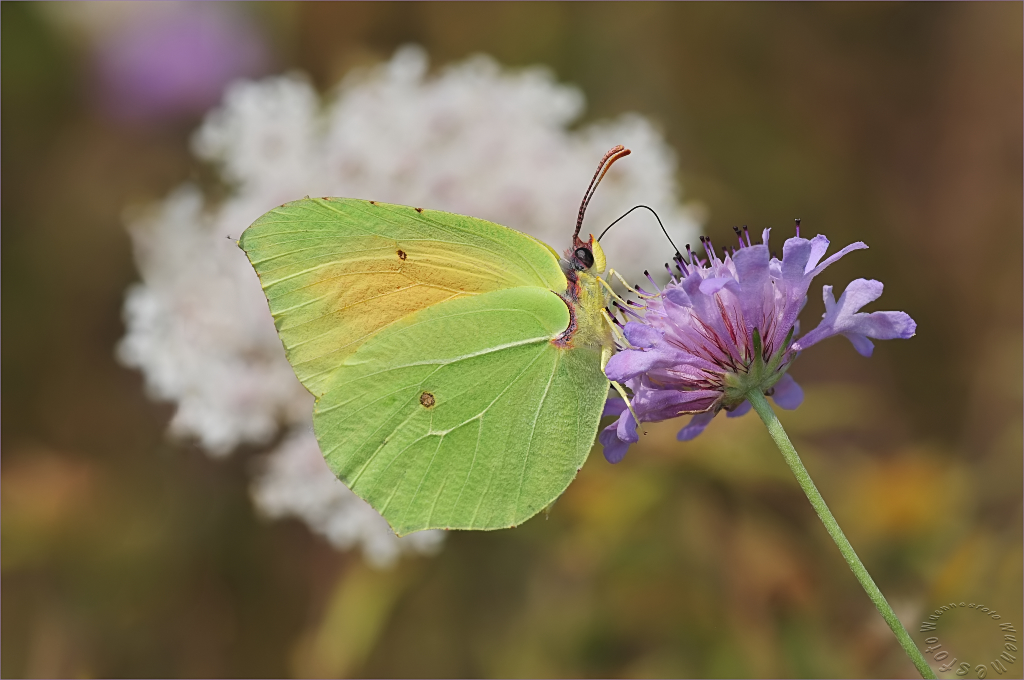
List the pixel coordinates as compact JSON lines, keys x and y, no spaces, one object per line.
{"x":883,"y":325}
{"x":819,"y":244}
{"x":752,"y":264}
{"x":796,"y":253}
{"x":796,"y":275}
{"x":842,"y":317}
{"x":858,"y":293}
{"x":713,"y":285}
{"x":752,"y":270}
{"x":641,"y":335}
{"x":614,"y":448}
{"x":788,"y":394}
{"x":695,"y":426}
{"x":630,"y":363}
{"x":677,"y":296}
{"x":613,"y":407}
{"x":652,"y":405}
{"x":859,"y":245}
{"x":691,"y":284}
{"x":686,"y":376}
{"x":741,"y":410}
{"x":863,"y":346}
{"x":626,"y":429}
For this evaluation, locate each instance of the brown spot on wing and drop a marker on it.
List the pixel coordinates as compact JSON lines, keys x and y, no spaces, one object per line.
{"x":427,"y":399}
{"x":419,"y":210}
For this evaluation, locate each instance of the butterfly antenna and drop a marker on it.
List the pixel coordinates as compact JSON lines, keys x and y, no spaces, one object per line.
{"x":613,"y":154}
{"x":646,"y":207}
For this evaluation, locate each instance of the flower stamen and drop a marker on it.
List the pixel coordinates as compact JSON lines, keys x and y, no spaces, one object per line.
{"x":626,"y":310}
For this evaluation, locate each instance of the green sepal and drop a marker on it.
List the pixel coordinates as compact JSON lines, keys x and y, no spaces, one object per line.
{"x":758,"y":376}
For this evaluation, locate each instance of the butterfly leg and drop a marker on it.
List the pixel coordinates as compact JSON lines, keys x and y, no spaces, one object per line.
{"x":608,"y":286}
{"x":617,"y":335}
{"x":631,"y":289}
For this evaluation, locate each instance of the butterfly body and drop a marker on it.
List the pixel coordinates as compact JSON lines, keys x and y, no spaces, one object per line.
{"x":456,"y":364}
{"x":585,"y":297}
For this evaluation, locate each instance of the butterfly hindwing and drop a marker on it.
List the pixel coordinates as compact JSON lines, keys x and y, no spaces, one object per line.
{"x":464,"y":415}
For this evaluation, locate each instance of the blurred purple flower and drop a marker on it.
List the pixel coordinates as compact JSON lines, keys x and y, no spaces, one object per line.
{"x":162,"y":65}
{"x":723,"y":327}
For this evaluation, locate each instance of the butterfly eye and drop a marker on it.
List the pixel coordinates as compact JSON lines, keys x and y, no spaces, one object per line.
{"x":585,"y":256}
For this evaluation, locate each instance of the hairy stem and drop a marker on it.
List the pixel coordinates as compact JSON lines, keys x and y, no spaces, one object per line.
{"x":760,"y":405}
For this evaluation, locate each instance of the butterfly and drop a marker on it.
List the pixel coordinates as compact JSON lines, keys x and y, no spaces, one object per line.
{"x":457,"y":364}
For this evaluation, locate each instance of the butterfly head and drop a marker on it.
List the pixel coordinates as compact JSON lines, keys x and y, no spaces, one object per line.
{"x":586,"y":256}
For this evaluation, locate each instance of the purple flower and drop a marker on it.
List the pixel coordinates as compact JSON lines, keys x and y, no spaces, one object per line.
{"x":166,"y":64}
{"x":723,"y":327}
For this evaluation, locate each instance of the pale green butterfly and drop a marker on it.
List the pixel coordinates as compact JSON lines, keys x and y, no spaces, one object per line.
{"x":457,"y":364}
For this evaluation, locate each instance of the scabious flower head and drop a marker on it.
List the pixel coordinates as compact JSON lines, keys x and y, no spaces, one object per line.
{"x":726,"y":325}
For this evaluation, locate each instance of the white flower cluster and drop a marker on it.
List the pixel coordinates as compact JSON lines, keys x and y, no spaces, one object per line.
{"x":473,"y":139}
{"x":292,"y":482}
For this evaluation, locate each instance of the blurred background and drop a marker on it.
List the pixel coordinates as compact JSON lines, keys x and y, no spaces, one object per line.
{"x":129,"y":552}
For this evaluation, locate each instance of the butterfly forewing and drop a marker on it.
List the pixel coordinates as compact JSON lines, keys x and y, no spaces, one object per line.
{"x":336,"y":271}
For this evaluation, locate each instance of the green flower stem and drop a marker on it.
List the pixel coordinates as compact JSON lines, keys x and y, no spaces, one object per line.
{"x":760,"y":405}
